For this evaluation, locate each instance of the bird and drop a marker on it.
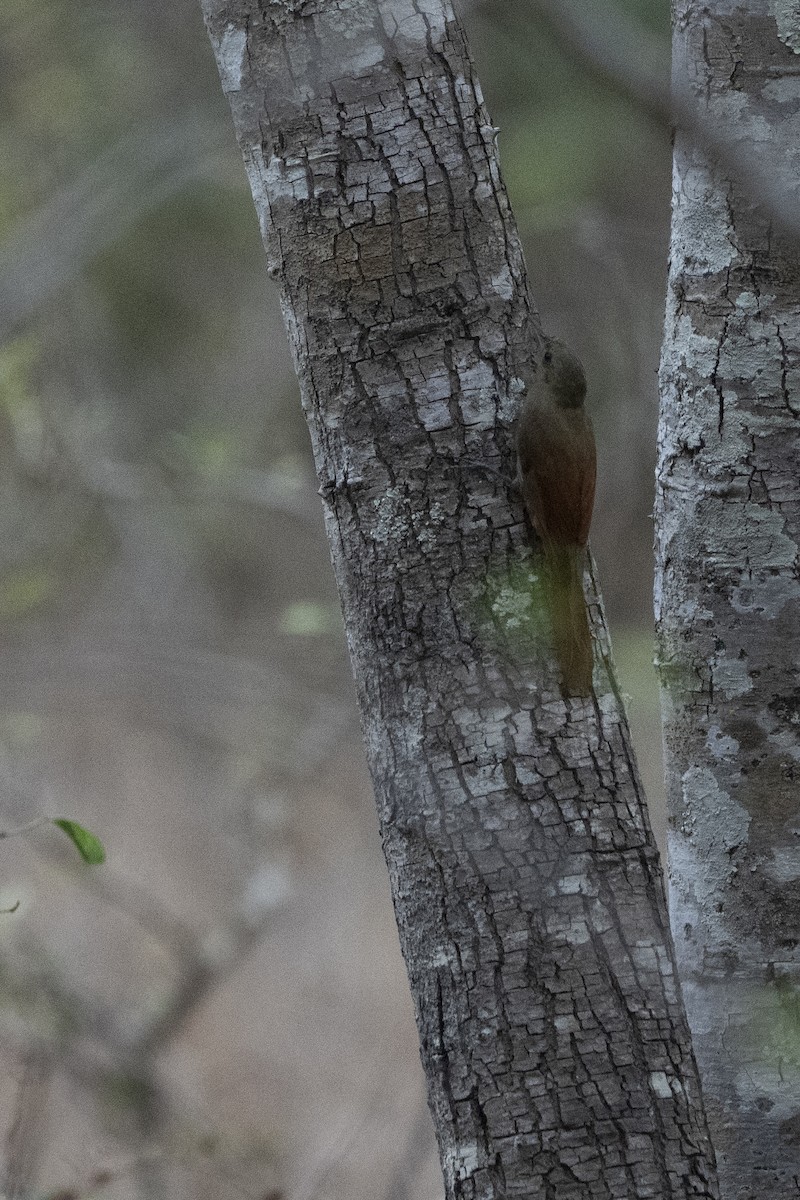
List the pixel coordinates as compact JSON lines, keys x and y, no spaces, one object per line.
{"x":557,"y":466}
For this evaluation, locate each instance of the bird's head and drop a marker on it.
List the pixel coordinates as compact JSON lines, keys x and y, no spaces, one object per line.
{"x":562,"y":373}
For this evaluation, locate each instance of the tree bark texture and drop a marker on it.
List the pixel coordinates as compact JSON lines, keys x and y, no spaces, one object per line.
{"x":524,"y":875}
{"x":728,"y":593}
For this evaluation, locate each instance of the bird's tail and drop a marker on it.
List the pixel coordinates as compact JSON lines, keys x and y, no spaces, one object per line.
{"x":572,"y":639}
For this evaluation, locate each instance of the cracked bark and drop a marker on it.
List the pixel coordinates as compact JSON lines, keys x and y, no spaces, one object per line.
{"x":524,"y":875}
{"x":728,"y":594}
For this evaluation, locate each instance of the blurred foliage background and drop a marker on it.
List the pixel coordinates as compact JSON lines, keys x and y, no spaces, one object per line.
{"x":222,"y":1010}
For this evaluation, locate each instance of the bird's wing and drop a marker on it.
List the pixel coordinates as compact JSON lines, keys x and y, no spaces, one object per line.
{"x":548,"y":483}
{"x":559,"y":470}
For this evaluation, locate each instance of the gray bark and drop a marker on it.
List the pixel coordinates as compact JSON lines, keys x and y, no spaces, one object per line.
{"x":728,"y":594}
{"x":525,"y":879}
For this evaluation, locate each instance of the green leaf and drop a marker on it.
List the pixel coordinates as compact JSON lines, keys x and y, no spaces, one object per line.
{"x":89,"y":847}
{"x":307,"y":618}
{"x":26,"y":589}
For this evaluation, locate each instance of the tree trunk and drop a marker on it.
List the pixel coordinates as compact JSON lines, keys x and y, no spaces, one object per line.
{"x":525,"y":880}
{"x":727,"y":592}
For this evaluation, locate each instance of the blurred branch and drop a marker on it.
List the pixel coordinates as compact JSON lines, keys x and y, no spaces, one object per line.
{"x":233,"y":941}
{"x":622,"y":56}
{"x":417,"y":1148}
{"x":117,"y":890}
{"x":100,"y":1047}
{"x":161,"y":672}
{"x":204,"y":965}
{"x":119,"y":1170}
{"x":35,"y":823}
{"x":378,"y":1083}
{"x":619,"y":54}
{"x":294,"y":496}
{"x":114,"y":1172}
{"x":135,"y":902}
{"x":28,"y":1127}
{"x":51,"y":246}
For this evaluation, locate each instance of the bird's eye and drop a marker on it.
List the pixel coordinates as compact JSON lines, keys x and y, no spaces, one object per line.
{"x":548,"y":356}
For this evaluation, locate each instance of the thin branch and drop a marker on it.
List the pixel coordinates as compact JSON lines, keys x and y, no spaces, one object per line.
{"x":123,"y":893}
{"x":116,"y":889}
{"x":376,"y":1084}
{"x":20,"y":829}
{"x":414,"y":1153}
{"x":27,"y":1131}
{"x":248,"y":487}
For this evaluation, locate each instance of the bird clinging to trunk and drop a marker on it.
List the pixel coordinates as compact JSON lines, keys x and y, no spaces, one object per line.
{"x":558,"y":468}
